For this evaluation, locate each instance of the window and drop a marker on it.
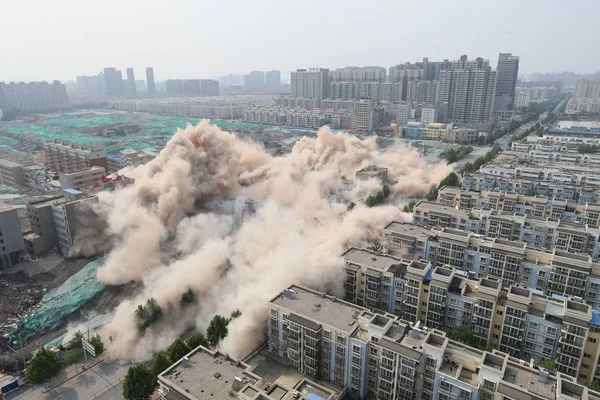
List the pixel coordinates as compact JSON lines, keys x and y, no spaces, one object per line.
{"x":498,"y":312}
{"x":587,"y":355}
{"x":585,"y":366}
{"x":497,"y":326}
{"x":591,"y":340}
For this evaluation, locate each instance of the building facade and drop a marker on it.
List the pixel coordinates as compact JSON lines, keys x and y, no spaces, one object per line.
{"x":11,"y":238}
{"x":34,"y":96}
{"x":83,"y":179}
{"x":312,"y":83}
{"x":66,"y":157}
{"x":506,"y":82}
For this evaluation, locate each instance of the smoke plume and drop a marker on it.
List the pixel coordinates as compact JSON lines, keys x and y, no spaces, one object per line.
{"x":168,"y":232}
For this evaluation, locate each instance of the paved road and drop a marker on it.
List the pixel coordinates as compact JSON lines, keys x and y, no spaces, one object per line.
{"x":478,"y":151}
{"x":101,"y":382}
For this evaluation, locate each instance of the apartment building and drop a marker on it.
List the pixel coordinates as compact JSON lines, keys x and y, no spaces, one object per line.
{"x":11,"y":238}
{"x":372,"y":172}
{"x":66,"y":157}
{"x":293,"y":117}
{"x":69,"y":217}
{"x":34,"y":176}
{"x":569,"y":234}
{"x":83,"y":179}
{"x":42,"y":237}
{"x":34,"y":96}
{"x":311,"y":83}
{"x":378,"y":356}
{"x":11,"y":173}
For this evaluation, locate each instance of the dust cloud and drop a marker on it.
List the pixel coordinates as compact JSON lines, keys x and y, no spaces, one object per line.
{"x":288,"y":223}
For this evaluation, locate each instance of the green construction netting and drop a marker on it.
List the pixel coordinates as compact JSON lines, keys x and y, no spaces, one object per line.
{"x":61,"y":302}
{"x":81,"y":128}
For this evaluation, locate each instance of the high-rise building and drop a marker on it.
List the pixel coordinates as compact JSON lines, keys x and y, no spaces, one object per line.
{"x":403,"y":113}
{"x":131,"y":89}
{"x":209,"y":87}
{"x":114,"y":82}
{"x":174,"y":87}
{"x":506,"y":82}
{"x":344,"y":90}
{"x":404,"y":73}
{"x":255,"y":80}
{"x":34,"y":96}
{"x":422,"y":91}
{"x":89,"y":84}
{"x":358,"y":74}
{"x":150,"y":80}
{"x":469,"y":89}
{"x":311,"y":83}
{"x":273,"y":79}
{"x":362,"y":117}
{"x":428,"y":115}
{"x":587,"y":89}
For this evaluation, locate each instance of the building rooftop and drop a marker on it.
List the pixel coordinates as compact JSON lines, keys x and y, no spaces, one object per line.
{"x":528,"y":381}
{"x":9,"y":164}
{"x":207,"y":375}
{"x":407,"y":228}
{"x":312,"y":305}
{"x":369,"y":259}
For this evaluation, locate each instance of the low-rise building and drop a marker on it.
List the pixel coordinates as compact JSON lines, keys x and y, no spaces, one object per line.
{"x":83,"y":179}
{"x":11,"y":173}
{"x":42,"y":237}
{"x":34,"y":176}
{"x":64,"y":156}
{"x":69,"y":217}
{"x":372,"y":171}
{"x":11,"y":238}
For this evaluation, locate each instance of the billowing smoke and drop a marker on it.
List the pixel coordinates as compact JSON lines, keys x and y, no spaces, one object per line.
{"x":167,"y":233}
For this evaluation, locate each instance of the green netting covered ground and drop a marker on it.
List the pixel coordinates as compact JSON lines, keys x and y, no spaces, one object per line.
{"x":81,"y":129}
{"x":62,"y":301}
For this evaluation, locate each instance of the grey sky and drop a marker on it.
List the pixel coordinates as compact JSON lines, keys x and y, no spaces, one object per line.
{"x":60,"y":39}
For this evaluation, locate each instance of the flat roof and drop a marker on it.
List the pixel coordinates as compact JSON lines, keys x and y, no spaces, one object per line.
{"x":8,"y":163}
{"x":370,"y":259}
{"x":316,"y":306}
{"x":72,"y":191}
{"x":206,"y":375}
{"x":407,"y":228}
{"x":528,"y":381}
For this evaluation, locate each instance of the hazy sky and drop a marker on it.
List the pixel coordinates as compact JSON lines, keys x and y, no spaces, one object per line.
{"x":59,"y":39}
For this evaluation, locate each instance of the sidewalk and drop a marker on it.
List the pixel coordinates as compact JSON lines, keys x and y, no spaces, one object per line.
{"x":69,"y":373}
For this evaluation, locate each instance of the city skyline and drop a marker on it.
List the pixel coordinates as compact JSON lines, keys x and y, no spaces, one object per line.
{"x":226,"y":42}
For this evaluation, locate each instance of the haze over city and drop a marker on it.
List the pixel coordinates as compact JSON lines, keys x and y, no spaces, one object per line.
{"x":186,"y":39}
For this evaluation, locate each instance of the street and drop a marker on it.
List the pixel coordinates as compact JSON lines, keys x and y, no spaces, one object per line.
{"x":103,"y":382}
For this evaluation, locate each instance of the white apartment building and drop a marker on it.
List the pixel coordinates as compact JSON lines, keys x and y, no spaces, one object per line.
{"x":403,"y":113}
{"x":362,"y":117}
{"x":428,"y":115}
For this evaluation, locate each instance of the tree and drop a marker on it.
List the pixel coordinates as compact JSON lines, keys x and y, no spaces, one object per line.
{"x":98,"y":344}
{"x":450,"y":180}
{"x":177,"y":350}
{"x":409,"y":207}
{"x":72,"y":357}
{"x":148,"y":314}
{"x":43,"y":366}
{"x":198,"y":339}
{"x":187,"y":298}
{"x":217,"y":330}
{"x":160,"y":363}
{"x":375,"y":247}
{"x":463,"y":334}
{"x":433,"y":194}
{"x":76,"y":341}
{"x":236,"y":313}
{"x":593,"y":385}
{"x":386,"y":191}
{"x":548,"y":364}
{"x":139,"y":383}
{"x":531,"y":192}
{"x":351,"y":206}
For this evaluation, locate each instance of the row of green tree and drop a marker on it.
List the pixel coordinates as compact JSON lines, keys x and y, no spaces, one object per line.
{"x":489,"y":156}
{"x":46,"y":363}
{"x":450,"y":180}
{"x":453,"y":155}
{"x":379,"y":198}
{"x":141,"y":381}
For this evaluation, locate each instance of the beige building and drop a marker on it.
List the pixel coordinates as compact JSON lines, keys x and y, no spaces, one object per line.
{"x":11,"y":173}
{"x":81,"y":179}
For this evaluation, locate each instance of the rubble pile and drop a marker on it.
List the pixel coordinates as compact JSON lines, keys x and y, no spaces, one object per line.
{"x":19,"y":297}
